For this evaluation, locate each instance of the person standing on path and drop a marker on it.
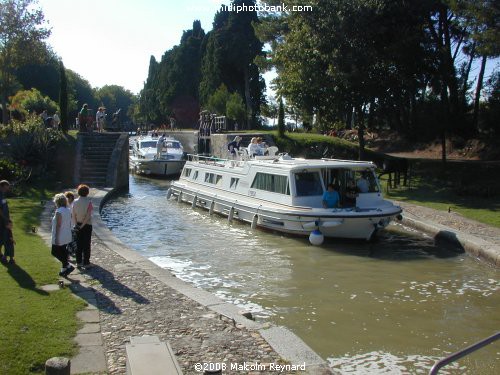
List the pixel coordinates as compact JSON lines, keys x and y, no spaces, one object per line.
{"x":4,"y":216}
{"x":61,"y":234}
{"x":82,"y":216}
{"x":99,"y":119}
{"x":83,"y":117}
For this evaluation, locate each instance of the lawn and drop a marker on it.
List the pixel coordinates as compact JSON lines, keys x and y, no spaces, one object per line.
{"x":471,"y":189}
{"x":36,"y":325}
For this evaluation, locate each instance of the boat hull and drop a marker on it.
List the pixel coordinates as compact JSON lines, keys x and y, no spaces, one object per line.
{"x":339,"y":223}
{"x":157,"y":167}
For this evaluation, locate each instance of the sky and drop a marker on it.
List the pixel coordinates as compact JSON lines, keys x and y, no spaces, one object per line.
{"x":111,"y":41}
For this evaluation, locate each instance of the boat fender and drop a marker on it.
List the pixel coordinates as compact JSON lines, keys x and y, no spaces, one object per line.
{"x":211,"y":209}
{"x":316,"y":238}
{"x":331,"y":224}
{"x":195,"y":198}
{"x":310,"y":225}
{"x":179,"y":197}
{"x":399,"y":217}
{"x":254,"y":221}
{"x":231,"y":214}
{"x":169,"y":193}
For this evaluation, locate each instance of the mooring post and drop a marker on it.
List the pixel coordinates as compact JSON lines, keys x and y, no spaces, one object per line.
{"x":58,"y":366}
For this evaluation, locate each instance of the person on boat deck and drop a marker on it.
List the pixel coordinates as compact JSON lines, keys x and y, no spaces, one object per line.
{"x":159,"y":146}
{"x":330,"y":197}
{"x":262,"y":145}
{"x":254,"y":149}
{"x":234,"y":146}
{"x":363,"y":184}
{"x":351,"y":193}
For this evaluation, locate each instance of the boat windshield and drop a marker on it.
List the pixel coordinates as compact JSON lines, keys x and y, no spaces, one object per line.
{"x":146,"y":144}
{"x":308,"y":184}
{"x":172,"y":144}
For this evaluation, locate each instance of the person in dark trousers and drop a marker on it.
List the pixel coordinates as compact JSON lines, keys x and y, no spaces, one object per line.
{"x":82,"y":216}
{"x":61,"y":234}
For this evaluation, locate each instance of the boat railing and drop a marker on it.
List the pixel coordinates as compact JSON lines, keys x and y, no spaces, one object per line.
{"x":212,"y":160}
{"x":462,"y":353}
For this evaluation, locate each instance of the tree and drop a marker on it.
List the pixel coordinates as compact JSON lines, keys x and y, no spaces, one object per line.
{"x":281,"y":119}
{"x":63,"y":97}
{"x":230,"y":50}
{"x":21,"y":37}
{"x":32,"y":102}
{"x":235,"y":108}
{"x":217,"y":102}
{"x":115,"y":97}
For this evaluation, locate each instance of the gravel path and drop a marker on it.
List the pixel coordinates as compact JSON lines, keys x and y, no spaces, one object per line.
{"x":133,"y":303}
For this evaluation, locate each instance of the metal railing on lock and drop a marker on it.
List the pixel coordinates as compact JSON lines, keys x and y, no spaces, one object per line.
{"x":462,"y":353}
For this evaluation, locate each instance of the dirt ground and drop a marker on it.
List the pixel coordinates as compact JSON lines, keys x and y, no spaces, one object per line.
{"x":456,"y":149}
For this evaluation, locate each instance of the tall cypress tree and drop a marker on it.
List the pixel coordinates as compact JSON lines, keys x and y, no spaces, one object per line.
{"x":63,"y":97}
{"x":281,"y":119}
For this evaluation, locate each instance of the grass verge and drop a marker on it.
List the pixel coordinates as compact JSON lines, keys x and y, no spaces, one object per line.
{"x":36,"y":325}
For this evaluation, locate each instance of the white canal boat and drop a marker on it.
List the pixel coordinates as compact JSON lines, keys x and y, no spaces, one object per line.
{"x":146,"y":158}
{"x":284,"y":194}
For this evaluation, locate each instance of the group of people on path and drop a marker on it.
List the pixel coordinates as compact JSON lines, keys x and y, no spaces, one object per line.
{"x":72,"y":225}
{"x":50,"y":121}
{"x":85,"y":121}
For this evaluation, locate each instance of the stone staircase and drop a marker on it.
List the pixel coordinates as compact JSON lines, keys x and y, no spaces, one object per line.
{"x":95,"y":155}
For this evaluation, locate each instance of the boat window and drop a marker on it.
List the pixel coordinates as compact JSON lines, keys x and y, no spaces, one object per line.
{"x":366,"y":181}
{"x":172,"y":144}
{"x":271,"y":182}
{"x":308,"y":184}
{"x":213,"y":178}
{"x":146,"y":144}
{"x":195,"y":176}
{"x":234,"y":182}
{"x":187,"y":172}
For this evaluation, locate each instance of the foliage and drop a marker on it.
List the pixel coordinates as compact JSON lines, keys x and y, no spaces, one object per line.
{"x":10,"y":171}
{"x":113,"y":98}
{"x":376,"y":64}
{"x":235,"y":108}
{"x":217,"y":101}
{"x":32,"y":101}
{"x":31,"y":143}
{"x":21,"y":37}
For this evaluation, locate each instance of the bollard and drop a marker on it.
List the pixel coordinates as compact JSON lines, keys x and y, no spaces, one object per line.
{"x":58,"y":366}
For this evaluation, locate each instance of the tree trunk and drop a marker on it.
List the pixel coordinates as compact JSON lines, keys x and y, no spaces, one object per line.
{"x":466,"y":77}
{"x":248,"y":98}
{"x":475,"y":118}
{"x":5,"y":117}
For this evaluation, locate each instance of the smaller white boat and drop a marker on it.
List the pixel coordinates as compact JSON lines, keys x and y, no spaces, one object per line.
{"x":147,"y":159}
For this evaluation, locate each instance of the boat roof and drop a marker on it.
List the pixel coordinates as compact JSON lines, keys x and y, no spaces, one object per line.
{"x":143,"y":138}
{"x":299,"y":163}
{"x":288,"y":163}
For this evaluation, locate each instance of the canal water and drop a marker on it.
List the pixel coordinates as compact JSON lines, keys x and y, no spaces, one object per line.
{"x":393,"y":306}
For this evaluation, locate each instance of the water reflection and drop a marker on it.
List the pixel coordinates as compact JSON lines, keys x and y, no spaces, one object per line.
{"x":391,"y":306}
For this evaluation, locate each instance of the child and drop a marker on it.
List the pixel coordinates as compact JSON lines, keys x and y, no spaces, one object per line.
{"x":9,"y":243}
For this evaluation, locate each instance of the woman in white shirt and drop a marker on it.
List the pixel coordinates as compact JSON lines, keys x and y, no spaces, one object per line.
{"x":61,"y":233}
{"x":254,"y":148}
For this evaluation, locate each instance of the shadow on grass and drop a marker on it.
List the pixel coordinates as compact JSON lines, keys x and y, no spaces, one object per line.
{"x":23,"y":278}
